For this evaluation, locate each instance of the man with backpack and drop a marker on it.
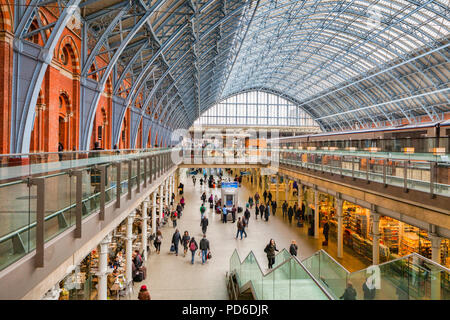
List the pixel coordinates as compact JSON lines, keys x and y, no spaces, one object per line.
{"x":202,"y":210}
{"x":204,"y":247}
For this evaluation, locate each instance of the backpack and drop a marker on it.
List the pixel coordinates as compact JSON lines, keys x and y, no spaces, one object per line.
{"x":192,"y":246}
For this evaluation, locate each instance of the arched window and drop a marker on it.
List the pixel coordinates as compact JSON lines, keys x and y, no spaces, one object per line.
{"x":256,"y":108}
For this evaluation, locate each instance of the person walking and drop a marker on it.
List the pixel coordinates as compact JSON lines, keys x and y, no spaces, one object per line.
{"x":211,"y":201}
{"x":247,"y":214}
{"x":265,"y":196}
{"x":244,"y":225}
{"x":262,"y":210}
{"x":240,"y":228}
{"x":270,"y":252}
{"x":201,"y":183}
{"x":257,"y":198}
{"x":182,"y":202}
{"x":349,"y":293}
{"x":203,"y":197}
{"x":193,"y":246}
{"x":256,"y":212}
{"x":250,"y":202}
{"x":158,"y":241}
{"x":293,"y":248}
{"x":204,"y":247}
{"x":175,"y":239}
{"x":326,"y":229}
{"x":204,"y":224}
{"x":368,"y":289}
{"x":185,"y":240}
{"x":174,"y":218}
{"x":202,"y":210}
{"x":179,"y":210}
{"x":269,"y":196}
{"x":224,"y":213}
{"x":284,"y":208}
{"x":193,"y":180}
{"x":233,"y":213}
{"x":267,"y":213}
{"x":290,"y":214}
{"x":143,"y":293}
{"x":274,"y":207}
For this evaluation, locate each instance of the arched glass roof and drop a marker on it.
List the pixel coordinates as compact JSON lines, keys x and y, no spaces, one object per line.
{"x":364,"y":62}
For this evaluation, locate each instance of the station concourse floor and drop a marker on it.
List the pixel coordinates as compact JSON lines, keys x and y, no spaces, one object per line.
{"x":171,"y":277}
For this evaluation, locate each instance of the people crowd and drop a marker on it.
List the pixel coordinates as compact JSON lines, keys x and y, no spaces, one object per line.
{"x":261,"y":205}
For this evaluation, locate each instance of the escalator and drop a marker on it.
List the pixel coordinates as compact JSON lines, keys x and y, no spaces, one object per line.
{"x":320,"y":277}
{"x":288,"y":280}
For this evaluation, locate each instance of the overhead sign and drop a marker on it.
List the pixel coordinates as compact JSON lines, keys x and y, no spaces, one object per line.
{"x":230,"y":184}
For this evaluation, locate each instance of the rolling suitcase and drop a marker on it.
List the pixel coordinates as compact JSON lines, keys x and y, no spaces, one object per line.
{"x":143,"y":270}
{"x":325,"y":243}
{"x":299,"y":224}
{"x":211,"y":205}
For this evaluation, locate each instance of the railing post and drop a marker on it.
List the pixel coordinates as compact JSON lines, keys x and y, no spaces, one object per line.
{"x":151,"y":169}
{"x":130,"y":171}
{"x":353,"y":167}
{"x":432,"y":178}
{"x":384,"y":172}
{"x":321,"y":163}
{"x":405,"y":175}
{"x":367,"y":169}
{"x":138,"y":175}
{"x":118,"y":183}
{"x":145,"y":171}
{"x":40,"y":220}
{"x":101,"y":215}
{"x":79,"y":202}
{"x":340,"y":162}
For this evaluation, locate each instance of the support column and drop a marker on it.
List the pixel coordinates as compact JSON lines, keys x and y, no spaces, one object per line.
{"x":161,"y":197}
{"x":436,"y":257}
{"x":166,"y":192}
{"x":299,"y":194}
{"x":103,"y":269}
{"x":286,"y":189}
{"x":340,"y":230}
{"x":277,"y":198}
{"x":316,"y":213}
{"x":375,"y":235}
{"x":129,"y":249}
{"x":154,"y":212}
{"x":144,"y":228}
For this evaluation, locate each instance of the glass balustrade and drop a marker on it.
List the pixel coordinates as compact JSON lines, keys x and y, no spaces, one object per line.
{"x":412,"y":277}
{"x":60,"y":173}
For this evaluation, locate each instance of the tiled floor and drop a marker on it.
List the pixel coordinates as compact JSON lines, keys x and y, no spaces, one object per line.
{"x":170,"y":277}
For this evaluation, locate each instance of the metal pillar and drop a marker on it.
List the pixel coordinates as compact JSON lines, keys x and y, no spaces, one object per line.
{"x":375,"y":236}
{"x":103,"y":269}
{"x":277,"y":198}
{"x":129,"y":249}
{"x":340,"y":229}
{"x":316,"y":213}
{"x":161,"y":216}
{"x":299,"y":194}
{"x":144,"y":228}
{"x":154,"y":212}
{"x":436,"y":257}
{"x":286,"y":189}
{"x":166,"y":192}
